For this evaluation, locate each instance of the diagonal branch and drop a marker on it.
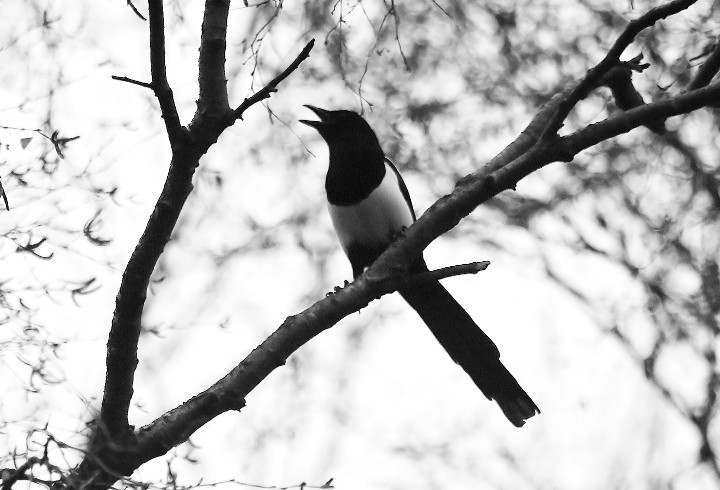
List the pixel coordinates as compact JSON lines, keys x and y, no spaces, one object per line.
{"x":383,"y":277}
{"x":4,"y":197}
{"x":646,"y":20}
{"x":707,"y":70}
{"x":624,"y":122}
{"x":135,"y":10}
{"x":449,"y":210}
{"x":611,"y":59}
{"x":132,"y":81}
{"x":271,"y":87}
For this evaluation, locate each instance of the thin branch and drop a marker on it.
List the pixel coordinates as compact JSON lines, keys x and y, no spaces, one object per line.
{"x":396,"y":18}
{"x":271,"y":87}
{"x":447,"y":14}
{"x":135,"y":10}
{"x":132,"y":81}
{"x":158,"y":72}
{"x":646,"y":20}
{"x":4,"y":197}
{"x":371,"y":51}
{"x":449,"y":271}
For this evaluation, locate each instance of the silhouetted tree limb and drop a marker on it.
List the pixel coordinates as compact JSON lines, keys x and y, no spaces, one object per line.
{"x":115,"y":449}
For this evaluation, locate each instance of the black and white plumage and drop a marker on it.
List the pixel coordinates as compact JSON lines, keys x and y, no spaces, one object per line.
{"x":369,"y":205}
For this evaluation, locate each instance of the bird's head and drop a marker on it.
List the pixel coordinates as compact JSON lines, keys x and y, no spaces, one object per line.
{"x":344,"y":131}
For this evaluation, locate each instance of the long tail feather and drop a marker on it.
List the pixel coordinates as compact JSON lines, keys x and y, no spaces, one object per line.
{"x":469,"y":347}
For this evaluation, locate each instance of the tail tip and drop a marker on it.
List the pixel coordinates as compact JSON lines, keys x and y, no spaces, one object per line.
{"x":517,"y":409}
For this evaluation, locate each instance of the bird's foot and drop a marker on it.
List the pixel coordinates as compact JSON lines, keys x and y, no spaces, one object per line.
{"x":337,"y":289}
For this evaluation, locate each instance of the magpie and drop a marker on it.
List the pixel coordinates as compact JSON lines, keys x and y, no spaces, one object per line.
{"x":369,"y":206}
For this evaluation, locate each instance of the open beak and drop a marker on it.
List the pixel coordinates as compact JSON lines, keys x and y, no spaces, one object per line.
{"x":324,"y":116}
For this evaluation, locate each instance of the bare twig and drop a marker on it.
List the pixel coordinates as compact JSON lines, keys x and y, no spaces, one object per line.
{"x":135,"y":10}
{"x":447,"y":14}
{"x":4,"y":197}
{"x":396,"y":18}
{"x":371,"y":51}
{"x":449,"y":271}
{"x":271,"y":87}
{"x":132,"y":81}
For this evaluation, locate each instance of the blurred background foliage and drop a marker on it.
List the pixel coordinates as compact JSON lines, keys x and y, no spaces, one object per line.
{"x":603,"y":294}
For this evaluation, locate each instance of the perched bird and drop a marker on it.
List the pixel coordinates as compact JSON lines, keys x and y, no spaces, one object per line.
{"x":369,"y":205}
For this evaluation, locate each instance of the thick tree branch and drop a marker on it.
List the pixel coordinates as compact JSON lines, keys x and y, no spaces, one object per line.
{"x":158,"y":72}
{"x":125,"y":328}
{"x":213,"y":101}
{"x":383,"y":277}
{"x":707,"y":70}
{"x":526,"y":140}
{"x":624,"y":122}
{"x":115,"y":449}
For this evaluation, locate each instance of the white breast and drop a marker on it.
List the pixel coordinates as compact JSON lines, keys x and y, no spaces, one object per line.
{"x":375,"y":220}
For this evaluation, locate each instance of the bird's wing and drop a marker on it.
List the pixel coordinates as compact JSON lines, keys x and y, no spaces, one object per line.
{"x":403,"y":187}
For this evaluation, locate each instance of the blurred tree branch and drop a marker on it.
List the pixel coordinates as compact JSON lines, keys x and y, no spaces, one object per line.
{"x":707,"y":70}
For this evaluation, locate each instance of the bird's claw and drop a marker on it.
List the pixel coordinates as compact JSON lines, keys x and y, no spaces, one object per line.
{"x":337,"y":289}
